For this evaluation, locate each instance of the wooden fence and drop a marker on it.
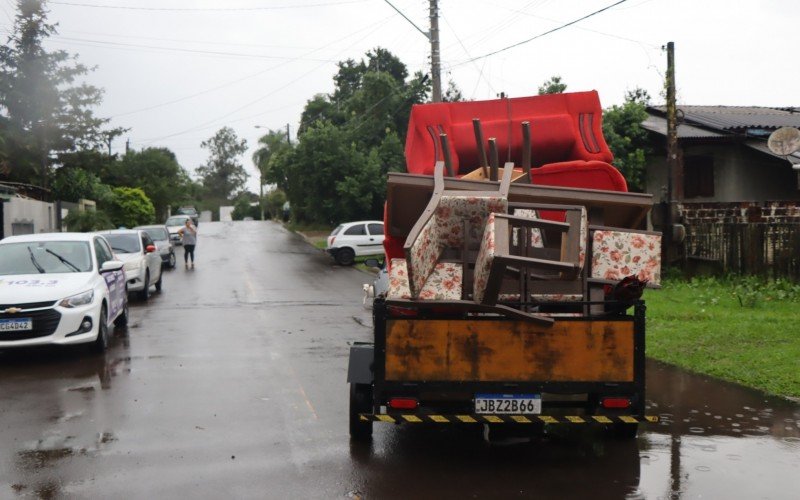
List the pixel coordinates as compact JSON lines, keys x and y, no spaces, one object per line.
{"x":759,"y":248}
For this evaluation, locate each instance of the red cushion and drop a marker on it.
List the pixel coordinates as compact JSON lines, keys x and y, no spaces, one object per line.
{"x":564,"y":127}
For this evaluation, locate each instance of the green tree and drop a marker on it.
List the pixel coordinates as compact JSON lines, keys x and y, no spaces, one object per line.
{"x":243,"y":206}
{"x":130,"y":207}
{"x":342,"y":183}
{"x":270,"y":144}
{"x":275,"y":200}
{"x":622,"y":129}
{"x":88,"y":220}
{"x":157,"y":172}
{"x":46,"y":109}
{"x":553,"y":86}
{"x":72,"y":184}
{"x":452,"y":93}
{"x":223,"y":175}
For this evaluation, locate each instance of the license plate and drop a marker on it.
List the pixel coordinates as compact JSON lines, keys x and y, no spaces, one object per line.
{"x":509,"y":404}
{"x":16,"y":325}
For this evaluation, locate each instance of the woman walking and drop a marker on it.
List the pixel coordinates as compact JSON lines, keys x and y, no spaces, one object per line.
{"x":189,"y":237}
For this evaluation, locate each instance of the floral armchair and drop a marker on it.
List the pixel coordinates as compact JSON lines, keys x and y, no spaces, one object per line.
{"x":451,"y":220}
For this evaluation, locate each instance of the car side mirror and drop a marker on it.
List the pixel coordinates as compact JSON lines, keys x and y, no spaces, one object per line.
{"x":110,"y":266}
{"x":150,"y":248}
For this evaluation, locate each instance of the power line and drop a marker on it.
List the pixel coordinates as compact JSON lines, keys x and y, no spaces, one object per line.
{"x":480,"y":70}
{"x":215,"y":120}
{"x":180,"y":49}
{"x":209,"y":9}
{"x":183,"y":40}
{"x":247,"y":77}
{"x":542,"y":34}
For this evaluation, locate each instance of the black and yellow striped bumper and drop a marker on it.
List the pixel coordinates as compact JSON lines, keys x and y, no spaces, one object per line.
{"x":507,"y":419}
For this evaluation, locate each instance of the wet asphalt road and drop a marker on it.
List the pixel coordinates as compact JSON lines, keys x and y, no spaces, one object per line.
{"x":231,"y":383}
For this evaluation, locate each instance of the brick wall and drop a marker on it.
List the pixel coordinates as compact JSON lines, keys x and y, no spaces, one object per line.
{"x":740,"y":212}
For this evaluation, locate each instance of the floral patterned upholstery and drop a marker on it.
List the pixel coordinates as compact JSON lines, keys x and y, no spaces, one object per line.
{"x":483,"y":263}
{"x":452,"y":211}
{"x":425,"y":253}
{"x":444,"y":229}
{"x":445,"y":282}
{"x":536,"y":233}
{"x":617,"y":254}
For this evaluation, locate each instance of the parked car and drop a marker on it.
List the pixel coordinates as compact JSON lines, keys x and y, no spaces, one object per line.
{"x":160,"y":236}
{"x":140,"y":255}
{"x":173,"y":225}
{"x":191,"y":212}
{"x":353,"y":239}
{"x":60,"y":289}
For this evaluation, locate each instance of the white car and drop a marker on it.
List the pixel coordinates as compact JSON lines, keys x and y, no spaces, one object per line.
{"x":353,"y":239}
{"x":174,"y":224}
{"x":59,"y":288}
{"x":140,"y":255}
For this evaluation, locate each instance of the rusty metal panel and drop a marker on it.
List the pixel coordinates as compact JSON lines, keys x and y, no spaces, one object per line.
{"x":509,"y":351}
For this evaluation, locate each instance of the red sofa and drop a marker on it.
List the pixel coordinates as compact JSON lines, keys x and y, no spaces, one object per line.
{"x":566,"y":134}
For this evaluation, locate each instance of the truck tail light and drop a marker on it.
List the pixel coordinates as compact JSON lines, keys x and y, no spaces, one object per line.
{"x":403,"y":403}
{"x":616,"y":403}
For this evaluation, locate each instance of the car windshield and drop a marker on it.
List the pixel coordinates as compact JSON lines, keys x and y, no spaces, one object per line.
{"x":124,"y":242}
{"x":336,"y":231}
{"x":45,"y":257}
{"x":176,"y":221}
{"x":157,"y":234}
{"x":187,"y":211}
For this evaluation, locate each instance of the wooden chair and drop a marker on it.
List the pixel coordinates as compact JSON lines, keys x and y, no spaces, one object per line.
{"x":502,"y":261}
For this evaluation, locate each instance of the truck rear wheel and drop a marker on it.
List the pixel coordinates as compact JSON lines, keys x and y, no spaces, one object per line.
{"x":624,"y":431}
{"x":360,"y":402}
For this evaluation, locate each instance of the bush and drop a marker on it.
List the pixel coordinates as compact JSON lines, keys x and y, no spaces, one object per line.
{"x":130,"y":207}
{"x":90,"y":220}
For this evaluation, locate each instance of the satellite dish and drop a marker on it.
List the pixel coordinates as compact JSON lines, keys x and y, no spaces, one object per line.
{"x":784,"y":141}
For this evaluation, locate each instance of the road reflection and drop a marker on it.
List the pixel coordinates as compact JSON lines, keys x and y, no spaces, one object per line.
{"x":55,"y":392}
{"x":717,"y":440}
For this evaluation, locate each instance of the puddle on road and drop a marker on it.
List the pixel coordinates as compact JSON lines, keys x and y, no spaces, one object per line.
{"x":714,"y":440}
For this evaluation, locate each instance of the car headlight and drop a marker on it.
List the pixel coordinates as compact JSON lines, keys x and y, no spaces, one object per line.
{"x":132,"y":265}
{"x":78,"y":300}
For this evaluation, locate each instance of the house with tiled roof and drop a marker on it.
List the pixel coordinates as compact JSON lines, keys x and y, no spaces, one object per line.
{"x":725,"y":154}
{"x":738,"y":201}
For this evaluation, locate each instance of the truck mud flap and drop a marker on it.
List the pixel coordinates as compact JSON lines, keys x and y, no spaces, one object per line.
{"x":508,"y":419}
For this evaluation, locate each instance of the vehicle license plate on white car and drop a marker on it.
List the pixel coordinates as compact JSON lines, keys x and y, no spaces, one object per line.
{"x":510,"y":404}
{"x":15,"y":325}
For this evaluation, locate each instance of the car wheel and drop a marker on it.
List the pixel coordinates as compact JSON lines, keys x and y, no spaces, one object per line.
{"x":345,"y":256}
{"x":145,"y":293}
{"x":159,"y":283}
{"x":172,"y":261}
{"x":122,"y":319}
{"x":360,"y":402}
{"x":101,"y":343}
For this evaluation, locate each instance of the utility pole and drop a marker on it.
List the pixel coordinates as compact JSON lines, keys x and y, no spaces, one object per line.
{"x":127,"y":145}
{"x":674,"y":156}
{"x":436,"y":75}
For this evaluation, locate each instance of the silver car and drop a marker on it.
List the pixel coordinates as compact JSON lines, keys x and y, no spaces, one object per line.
{"x":174,"y":224}
{"x":142,"y":261}
{"x":160,"y":236}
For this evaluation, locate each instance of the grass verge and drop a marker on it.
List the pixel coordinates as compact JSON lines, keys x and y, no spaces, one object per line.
{"x":738,"y":329}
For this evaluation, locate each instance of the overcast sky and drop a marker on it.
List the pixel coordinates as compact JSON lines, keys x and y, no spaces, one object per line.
{"x":175,"y":71}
